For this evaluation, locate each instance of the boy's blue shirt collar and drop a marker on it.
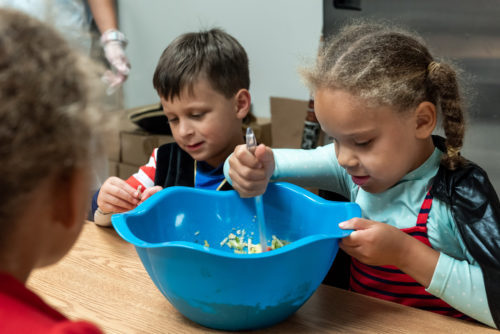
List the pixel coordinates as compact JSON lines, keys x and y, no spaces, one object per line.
{"x":208,"y":177}
{"x":208,"y":170}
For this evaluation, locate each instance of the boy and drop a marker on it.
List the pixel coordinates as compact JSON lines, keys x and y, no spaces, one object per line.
{"x":203,"y":80}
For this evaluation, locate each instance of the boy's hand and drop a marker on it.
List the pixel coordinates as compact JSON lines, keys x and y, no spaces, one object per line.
{"x":374,"y":243}
{"x":150,"y":192}
{"x":117,"y":195}
{"x":250,"y":171}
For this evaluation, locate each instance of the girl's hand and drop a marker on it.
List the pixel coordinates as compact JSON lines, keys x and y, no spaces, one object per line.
{"x":117,"y":195}
{"x":374,"y":243}
{"x":150,"y":192}
{"x":250,"y":172}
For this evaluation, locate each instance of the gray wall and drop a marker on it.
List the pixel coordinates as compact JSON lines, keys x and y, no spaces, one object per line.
{"x":466,"y":32}
{"x":279,"y":36}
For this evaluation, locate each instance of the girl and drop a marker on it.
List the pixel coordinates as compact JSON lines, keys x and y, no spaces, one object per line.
{"x":46,"y":141}
{"x":430,"y":232}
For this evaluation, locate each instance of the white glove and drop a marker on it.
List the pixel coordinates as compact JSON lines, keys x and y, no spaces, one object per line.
{"x":114,"y":43}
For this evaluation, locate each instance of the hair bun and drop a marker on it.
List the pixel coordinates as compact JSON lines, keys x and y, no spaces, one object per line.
{"x":452,"y":151}
{"x":433,"y":67}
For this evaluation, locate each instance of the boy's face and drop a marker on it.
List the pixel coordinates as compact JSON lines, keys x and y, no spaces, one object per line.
{"x":205,"y":123}
{"x":376,"y":146}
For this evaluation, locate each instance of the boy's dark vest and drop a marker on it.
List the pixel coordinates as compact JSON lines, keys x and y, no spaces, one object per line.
{"x":174,"y":167}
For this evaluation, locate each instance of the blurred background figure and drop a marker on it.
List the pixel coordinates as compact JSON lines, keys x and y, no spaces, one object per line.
{"x":90,"y":26}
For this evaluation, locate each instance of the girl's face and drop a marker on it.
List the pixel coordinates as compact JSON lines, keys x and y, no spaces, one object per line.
{"x":376,"y":146}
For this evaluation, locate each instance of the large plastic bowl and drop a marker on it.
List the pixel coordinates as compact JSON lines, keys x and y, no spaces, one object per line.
{"x":212,"y":285}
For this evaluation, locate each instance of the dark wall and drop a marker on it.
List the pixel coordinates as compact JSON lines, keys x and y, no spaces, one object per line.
{"x":466,"y":32}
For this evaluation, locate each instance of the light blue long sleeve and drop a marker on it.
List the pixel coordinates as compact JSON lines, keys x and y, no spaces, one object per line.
{"x":457,"y":279}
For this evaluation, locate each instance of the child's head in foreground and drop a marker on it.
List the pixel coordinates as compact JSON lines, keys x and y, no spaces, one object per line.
{"x":377,"y":93}
{"x":203,"y":79}
{"x":46,"y":141}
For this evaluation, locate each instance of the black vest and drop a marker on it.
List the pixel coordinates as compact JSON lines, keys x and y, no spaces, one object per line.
{"x":476,"y":210}
{"x":174,"y":167}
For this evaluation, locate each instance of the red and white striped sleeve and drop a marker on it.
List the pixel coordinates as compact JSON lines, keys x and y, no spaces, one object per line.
{"x":145,"y":176}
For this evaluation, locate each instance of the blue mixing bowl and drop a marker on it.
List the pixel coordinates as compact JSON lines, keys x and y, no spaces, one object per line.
{"x":212,"y":285}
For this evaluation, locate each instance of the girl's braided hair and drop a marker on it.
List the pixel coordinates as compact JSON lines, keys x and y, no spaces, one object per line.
{"x":389,"y":66}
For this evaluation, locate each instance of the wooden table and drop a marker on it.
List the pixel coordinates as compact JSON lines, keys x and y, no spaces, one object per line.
{"x":102,"y":280}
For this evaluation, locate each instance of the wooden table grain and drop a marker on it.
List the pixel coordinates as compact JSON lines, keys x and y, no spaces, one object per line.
{"x":103,"y":281}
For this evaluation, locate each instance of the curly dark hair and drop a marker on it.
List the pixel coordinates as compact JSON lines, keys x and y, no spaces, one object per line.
{"x":46,"y":119}
{"x":387,"y":65}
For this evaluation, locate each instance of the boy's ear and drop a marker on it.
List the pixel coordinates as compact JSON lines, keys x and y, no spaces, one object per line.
{"x":243,"y":101}
{"x":68,"y":199}
{"x":425,"y":119}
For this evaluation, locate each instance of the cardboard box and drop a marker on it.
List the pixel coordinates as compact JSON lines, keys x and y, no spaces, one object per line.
{"x":262,"y":130}
{"x":126,"y":170}
{"x":137,"y":146}
{"x":121,"y":122}
{"x":287,"y":121}
{"x":112,"y":168}
{"x":265,"y":134}
{"x":287,"y":124}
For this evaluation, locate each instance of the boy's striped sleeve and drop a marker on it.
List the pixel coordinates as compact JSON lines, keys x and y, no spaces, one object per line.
{"x":145,"y":176}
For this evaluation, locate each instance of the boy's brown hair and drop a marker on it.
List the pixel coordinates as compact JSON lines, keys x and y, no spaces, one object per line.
{"x":212,"y":54}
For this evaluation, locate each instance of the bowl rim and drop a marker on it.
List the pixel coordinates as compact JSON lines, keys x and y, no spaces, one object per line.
{"x":121,"y":227}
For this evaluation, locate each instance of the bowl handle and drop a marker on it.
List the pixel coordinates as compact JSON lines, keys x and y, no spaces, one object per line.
{"x":121,"y":227}
{"x":351,"y":210}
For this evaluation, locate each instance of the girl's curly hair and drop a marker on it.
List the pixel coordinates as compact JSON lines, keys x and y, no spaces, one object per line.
{"x":386,"y":65}
{"x":47,"y":121}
